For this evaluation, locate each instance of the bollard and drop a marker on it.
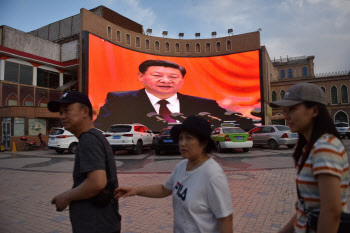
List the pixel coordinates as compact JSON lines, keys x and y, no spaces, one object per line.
{"x":14,"y":149}
{"x":2,"y":148}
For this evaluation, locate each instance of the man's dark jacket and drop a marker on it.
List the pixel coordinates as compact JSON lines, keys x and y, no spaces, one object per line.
{"x":133,"y":107}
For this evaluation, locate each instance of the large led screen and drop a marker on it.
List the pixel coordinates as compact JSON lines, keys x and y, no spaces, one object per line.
{"x":220,"y":88}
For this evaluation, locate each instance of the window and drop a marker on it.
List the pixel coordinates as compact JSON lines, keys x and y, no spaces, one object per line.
{"x":187,"y":48}
{"x":282,"y":94}
{"x":198,"y":48}
{"x":274,"y":96}
{"x":167,"y":47}
{"x":18,"y":126}
{"x":290,"y":73}
{"x":109,"y":31}
{"x":207,"y":47}
{"x":18,"y":73}
{"x":128,"y":42}
{"x":118,"y":36}
{"x":283,"y":73}
{"x":177,"y":48}
{"x":304,"y":71}
{"x":228,"y":45}
{"x":218,"y":47}
{"x":156,"y":45}
{"x":341,"y":116}
{"x":47,"y":79}
{"x":344,"y":94}
{"x":138,"y":44}
{"x":147,"y":44}
{"x":323,"y":89}
{"x":334,"y":95}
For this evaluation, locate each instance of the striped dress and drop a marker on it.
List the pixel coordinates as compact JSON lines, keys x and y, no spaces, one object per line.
{"x":328,"y":156}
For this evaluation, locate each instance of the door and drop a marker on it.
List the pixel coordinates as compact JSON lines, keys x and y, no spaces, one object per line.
{"x":6,"y":134}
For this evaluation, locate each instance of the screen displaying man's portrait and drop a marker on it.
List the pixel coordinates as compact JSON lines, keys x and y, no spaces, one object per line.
{"x":127,"y":86}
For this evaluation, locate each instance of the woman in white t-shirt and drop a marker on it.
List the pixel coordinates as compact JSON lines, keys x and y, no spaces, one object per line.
{"x":201,"y":196}
{"x":322,"y":163}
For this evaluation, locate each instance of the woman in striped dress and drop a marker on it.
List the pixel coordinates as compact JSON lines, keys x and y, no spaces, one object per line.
{"x":321,"y":160}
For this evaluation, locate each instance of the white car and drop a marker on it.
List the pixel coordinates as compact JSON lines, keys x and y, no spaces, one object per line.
{"x":131,"y":137}
{"x":61,"y":140}
{"x":343,"y":129}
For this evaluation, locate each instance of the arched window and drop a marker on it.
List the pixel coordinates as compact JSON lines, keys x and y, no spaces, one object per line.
{"x":274,"y":96}
{"x":156,"y":45}
{"x":283,"y":73}
{"x":334,"y":95}
{"x":282,"y":94}
{"x":177,"y":48}
{"x":218,"y":47}
{"x":290,"y":73}
{"x":323,"y":89}
{"x":118,"y":36}
{"x":147,"y":44}
{"x":304,"y":71}
{"x":187,"y":48}
{"x":341,"y":116}
{"x":109,"y":31}
{"x":128,"y":39}
{"x":228,"y":45}
{"x":198,"y":48}
{"x":344,"y":94}
{"x":28,"y":101}
{"x":207,"y":47}
{"x":138,"y":44}
{"x":167,"y":47}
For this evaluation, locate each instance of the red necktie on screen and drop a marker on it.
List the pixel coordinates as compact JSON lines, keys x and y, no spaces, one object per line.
{"x":164,"y":111}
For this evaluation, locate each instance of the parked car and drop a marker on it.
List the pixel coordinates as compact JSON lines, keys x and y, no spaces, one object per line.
{"x":164,"y":142}
{"x":343,"y":129}
{"x":61,"y":140}
{"x":231,"y":137}
{"x":273,"y":136}
{"x":130,"y":137}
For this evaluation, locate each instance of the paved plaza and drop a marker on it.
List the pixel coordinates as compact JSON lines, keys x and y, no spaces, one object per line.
{"x":263,"y":199}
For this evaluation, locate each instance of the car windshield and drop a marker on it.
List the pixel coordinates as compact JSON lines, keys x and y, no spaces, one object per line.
{"x":166,"y":132}
{"x":57,"y":132}
{"x":233,"y":130}
{"x":119,"y":128}
{"x":341,"y":124}
{"x":282,"y":128}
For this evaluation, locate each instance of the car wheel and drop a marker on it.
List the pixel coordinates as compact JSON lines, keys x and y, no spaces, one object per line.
{"x":157,"y":151}
{"x":138,"y":148}
{"x":73,"y":148}
{"x":218,"y":147}
{"x":59,"y":150}
{"x":245,"y":149}
{"x":273,"y":144}
{"x":291,"y":146}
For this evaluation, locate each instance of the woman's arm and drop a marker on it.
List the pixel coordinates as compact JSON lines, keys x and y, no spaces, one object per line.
{"x":289,"y":227}
{"x":154,"y":191}
{"x":226,"y":224}
{"x":330,"y":194}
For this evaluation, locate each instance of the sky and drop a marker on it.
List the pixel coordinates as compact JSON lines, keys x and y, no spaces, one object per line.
{"x":290,"y":28}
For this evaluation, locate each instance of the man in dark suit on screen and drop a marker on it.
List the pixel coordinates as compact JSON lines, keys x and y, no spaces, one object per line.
{"x":155,"y":104}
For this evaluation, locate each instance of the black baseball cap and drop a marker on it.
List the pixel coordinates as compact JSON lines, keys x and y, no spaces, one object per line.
{"x":69,"y":98}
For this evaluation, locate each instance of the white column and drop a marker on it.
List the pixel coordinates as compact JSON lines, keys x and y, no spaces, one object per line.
{"x":61,"y":79}
{"x":35,"y":74}
{"x":2,"y":69}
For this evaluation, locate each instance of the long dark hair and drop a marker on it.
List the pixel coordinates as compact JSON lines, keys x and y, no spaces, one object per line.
{"x":323,"y":123}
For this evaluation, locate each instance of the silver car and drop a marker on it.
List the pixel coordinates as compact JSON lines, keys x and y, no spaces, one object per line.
{"x":343,"y":129}
{"x":273,"y":136}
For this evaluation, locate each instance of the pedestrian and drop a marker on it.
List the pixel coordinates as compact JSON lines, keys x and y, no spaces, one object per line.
{"x":320,"y":158}
{"x":201,"y":196}
{"x":92,"y":208}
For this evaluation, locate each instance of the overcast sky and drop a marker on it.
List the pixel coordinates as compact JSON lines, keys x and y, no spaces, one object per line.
{"x":289,"y":27}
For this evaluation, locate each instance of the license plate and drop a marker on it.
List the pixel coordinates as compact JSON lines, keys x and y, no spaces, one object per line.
{"x":341,"y":129}
{"x":239,"y":138}
{"x":168,"y":140}
{"x":116,"y":137}
{"x":294,"y":135}
{"x":52,"y":139}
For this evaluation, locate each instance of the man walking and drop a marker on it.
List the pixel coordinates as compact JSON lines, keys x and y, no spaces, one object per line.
{"x":92,"y":207}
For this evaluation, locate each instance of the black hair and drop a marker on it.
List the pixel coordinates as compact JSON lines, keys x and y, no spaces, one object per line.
{"x":208,"y":142}
{"x":148,"y":63}
{"x":323,"y":123}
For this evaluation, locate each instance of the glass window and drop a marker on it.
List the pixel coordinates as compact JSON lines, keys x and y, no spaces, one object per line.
{"x":156,"y":45}
{"x":109,"y":32}
{"x":282,"y":94}
{"x":334,"y":95}
{"x":218,"y":47}
{"x":228,"y":45}
{"x":11,"y":72}
{"x":18,"y":126}
{"x":283,"y":73}
{"x":341,"y":117}
{"x":232,"y":130}
{"x":26,"y":75}
{"x":282,"y":128}
{"x":36,"y":126}
{"x":68,"y":77}
{"x":119,"y":128}
{"x":274,"y":96}
{"x":304,"y":71}
{"x":344,"y":94}
{"x":118,"y":36}
{"x":47,"y":78}
{"x":167,"y":47}
{"x":198,"y":48}
{"x":177,"y":48}
{"x":187,"y":48}
{"x":147,"y":44}
{"x":128,"y":39}
{"x":290,"y":73}
{"x":207,"y":47}
{"x":138,"y":44}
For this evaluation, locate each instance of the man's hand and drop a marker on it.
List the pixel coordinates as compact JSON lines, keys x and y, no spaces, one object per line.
{"x":61,"y":201}
{"x":124,"y":192}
